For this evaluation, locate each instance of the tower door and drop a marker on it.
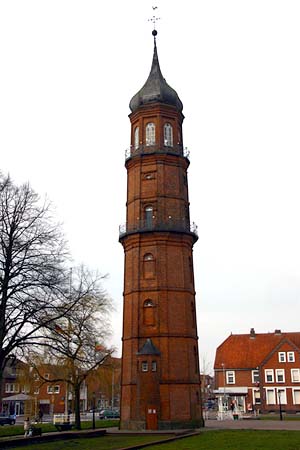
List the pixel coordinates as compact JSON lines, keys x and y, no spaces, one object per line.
{"x":151,"y":418}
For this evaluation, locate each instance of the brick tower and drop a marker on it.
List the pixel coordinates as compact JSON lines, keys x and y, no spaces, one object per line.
{"x":160,"y":385}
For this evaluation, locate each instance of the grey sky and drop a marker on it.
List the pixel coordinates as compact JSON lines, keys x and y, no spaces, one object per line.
{"x":68,"y":69}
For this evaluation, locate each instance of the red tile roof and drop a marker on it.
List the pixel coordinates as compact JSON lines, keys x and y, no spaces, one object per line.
{"x":248,"y":351}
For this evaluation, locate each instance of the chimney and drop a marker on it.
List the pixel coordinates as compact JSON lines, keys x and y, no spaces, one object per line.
{"x":277,"y":332}
{"x":252,"y":333}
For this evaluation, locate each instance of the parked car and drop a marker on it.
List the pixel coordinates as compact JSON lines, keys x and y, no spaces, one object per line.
{"x":6,"y":419}
{"x":109,"y":414}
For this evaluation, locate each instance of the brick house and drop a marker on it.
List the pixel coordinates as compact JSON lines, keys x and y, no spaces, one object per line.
{"x":259,"y":372}
{"x":23,"y":392}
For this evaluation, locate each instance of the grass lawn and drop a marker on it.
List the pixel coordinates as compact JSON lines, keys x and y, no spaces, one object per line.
{"x":100,"y":443}
{"x":13,"y":430}
{"x":207,"y":440}
{"x":236,"y":440}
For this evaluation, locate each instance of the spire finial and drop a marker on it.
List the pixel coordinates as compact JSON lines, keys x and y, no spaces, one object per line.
{"x":154,"y":19}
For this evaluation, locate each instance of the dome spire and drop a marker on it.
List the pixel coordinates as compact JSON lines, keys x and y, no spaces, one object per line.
{"x":156,"y":89}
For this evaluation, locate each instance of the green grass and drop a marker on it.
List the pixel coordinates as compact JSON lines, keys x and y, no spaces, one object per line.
{"x":100,"y":443}
{"x":15,"y":430}
{"x":206,"y":440}
{"x":236,"y":440}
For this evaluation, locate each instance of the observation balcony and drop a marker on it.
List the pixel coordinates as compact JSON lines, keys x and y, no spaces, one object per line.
{"x":155,"y":148}
{"x":170,"y":225}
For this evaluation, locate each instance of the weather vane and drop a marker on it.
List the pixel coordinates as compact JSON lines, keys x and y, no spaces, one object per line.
{"x":154,"y":19}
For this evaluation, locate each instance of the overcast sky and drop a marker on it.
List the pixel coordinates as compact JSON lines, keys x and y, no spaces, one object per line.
{"x":68,"y":69}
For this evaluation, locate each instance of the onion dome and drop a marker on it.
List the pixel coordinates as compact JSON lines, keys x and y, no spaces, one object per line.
{"x":156,"y":89}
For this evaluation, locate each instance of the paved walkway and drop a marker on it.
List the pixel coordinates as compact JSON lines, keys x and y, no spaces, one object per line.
{"x":253,"y":424}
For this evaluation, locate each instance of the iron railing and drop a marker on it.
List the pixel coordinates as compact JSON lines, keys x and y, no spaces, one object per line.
{"x":171,"y":224}
{"x":149,"y":149}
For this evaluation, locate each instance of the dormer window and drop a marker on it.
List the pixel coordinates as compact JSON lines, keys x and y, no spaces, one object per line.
{"x":281,"y":357}
{"x":150,"y":134}
{"x":168,"y":135}
{"x":136,"y":137}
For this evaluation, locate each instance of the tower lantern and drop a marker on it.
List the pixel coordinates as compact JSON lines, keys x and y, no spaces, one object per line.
{"x":160,"y":384}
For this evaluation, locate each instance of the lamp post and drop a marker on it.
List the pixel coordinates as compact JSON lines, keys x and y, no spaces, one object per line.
{"x":94,"y":396}
{"x":224,"y":381}
{"x":279,"y":401}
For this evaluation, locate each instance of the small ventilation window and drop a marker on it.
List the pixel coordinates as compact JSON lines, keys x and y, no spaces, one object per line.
{"x":154,"y":366}
{"x":148,"y":303}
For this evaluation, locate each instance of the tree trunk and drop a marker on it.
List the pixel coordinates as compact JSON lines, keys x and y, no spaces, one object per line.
{"x":77,"y":406}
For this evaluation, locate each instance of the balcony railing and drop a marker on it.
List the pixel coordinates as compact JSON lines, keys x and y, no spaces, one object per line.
{"x":171,"y":224}
{"x":149,"y":149}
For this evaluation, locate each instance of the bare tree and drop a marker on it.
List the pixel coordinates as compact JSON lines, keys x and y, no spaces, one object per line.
{"x":76,"y":342}
{"x":32,"y":274}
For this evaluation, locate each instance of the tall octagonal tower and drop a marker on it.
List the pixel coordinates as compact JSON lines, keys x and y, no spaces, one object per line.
{"x":160,"y":384}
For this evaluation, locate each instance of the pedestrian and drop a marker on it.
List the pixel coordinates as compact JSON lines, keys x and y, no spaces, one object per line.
{"x":26,"y":426}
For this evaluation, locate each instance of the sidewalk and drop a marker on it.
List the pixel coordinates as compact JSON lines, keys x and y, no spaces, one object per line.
{"x":253,"y":424}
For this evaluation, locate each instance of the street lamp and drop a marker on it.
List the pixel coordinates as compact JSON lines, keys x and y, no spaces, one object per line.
{"x":224,"y":389}
{"x":94,"y":395}
{"x":279,"y":401}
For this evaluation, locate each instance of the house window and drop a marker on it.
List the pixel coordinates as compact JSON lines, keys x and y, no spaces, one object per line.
{"x":36,"y":390}
{"x":255,"y":376}
{"x":154,"y":366}
{"x":11,"y":387}
{"x":295,"y":375}
{"x":281,"y":396}
{"x":144,"y":366}
{"x":136,"y":137}
{"x":296,"y":396}
{"x":269,"y":375}
{"x":270,"y":397}
{"x":53,"y":389}
{"x":281,"y":357}
{"x":230,"y":377}
{"x":280,"y":378}
{"x":291,"y":356}
{"x":168,"y":135}
{"x":150,"y":134}
{"x":256,"y":396}
{"x":25,"y":389}
{"x":47,"y":376}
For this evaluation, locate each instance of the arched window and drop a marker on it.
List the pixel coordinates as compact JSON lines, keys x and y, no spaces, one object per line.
{"x":136,"y":137}
{"x":150,"y":134}
{"x":149,"y":266}
{"x":148,"y":315}
{"x":148,"y":216}
{"x":168,"y":135}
